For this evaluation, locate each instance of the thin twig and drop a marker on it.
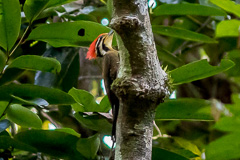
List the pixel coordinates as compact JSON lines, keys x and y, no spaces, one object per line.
{"x":184,"y":44}
{"x":20,"y":41}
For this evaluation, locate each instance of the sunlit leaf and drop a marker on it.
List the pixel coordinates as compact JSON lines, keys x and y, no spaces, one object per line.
{"x":228,"y":5}
{"x":185,"y":108}
{"x":224,"y":148}
{"x":33,"y":62}
{"x":228,"y":28}
{"x":228,"y":124}
{"x":182,"y":34}
{"x":23,"y":116}
{"x":188,"y":9}
{"x":198,"y":70}
{"x":88,"y":147}
{"x":10,"y":21}
{"x":74,"y":34}
{"x":188,"y":145}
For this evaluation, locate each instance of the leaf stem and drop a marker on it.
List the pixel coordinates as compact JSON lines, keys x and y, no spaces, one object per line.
{"x":20,"y":41}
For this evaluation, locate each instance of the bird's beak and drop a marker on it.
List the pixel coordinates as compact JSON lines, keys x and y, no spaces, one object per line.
{"x":111,"y":33}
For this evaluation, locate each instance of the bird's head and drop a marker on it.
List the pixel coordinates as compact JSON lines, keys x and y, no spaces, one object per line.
{"x":101,"y":45}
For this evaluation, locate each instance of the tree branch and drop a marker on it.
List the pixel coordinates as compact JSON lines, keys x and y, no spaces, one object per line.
{"x":141,"y":82}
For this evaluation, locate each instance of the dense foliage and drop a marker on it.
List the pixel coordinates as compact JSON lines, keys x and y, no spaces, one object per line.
{"x":43,"y":73}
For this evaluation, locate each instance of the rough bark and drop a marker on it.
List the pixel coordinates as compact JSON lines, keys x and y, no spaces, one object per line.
{"x":141,"y":84}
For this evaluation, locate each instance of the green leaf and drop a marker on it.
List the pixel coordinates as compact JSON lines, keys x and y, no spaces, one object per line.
{"x":234,"y":56}
{"x":228,"y":124}
{"x":184,"y":109}
{"x":10,"y":75}
{"x":198,"y":70}
{"x":2,"y":61}
{"x":81,"y":17}
{"x":167,"y":155}
{"x":110,"y":7}
{"x":23,"y":116}
{"x":86,"y":102}
{"x":165,"y":55}
{"x":33,"y":62}
{"x":53,"y":143}
{"x":4,"y":124}
{"x":68,"y":130}
{"x":224,"y":148}
{"x":105,"y":104}
{"x":188,"y":9}
{"x":10,"y":21}
{"x":36,"y":101}
{"x":33,"y":8}
{"x":228,"y":28}
{"x":3,"y":106}
{"x":182,"y":34}
{"x":188,"y":145}
{"x":94,"y":122}
{"x":6,"y":142}
{"x":228,"y":5}
{"x":80,"y":33}
{"x":88,"y":147}
{"x":28,"y":91}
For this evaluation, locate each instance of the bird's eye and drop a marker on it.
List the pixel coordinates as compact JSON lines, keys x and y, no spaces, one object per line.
{"x":81,"y":32}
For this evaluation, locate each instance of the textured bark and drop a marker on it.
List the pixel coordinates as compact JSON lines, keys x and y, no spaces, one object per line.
{"x":141,"y":84}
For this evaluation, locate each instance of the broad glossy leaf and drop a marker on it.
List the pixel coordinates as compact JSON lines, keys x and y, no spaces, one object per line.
{"x":105,"y":104}
{"x":162,"y":154}
{"x":86,"y":102}
{"x":224,"y":148}
{"x":228,"y":5}
{"x":33,"y":62}
{"x":74,"y":34}
{"x":188,"y":145}
{"x":52,"y":96}
{"x":228,"y":124}
{"x":33,"y":8}
{"x":69,"y":131}
{"x":53,"y":143}
{"x":234,"y":56}
{"x":188,"y":9}
{"x":228,"y":28}
{"x":88,"y":147}
{"x":36,"y":101}
{"x":184,"y":109}
{"x":23,"y":116}
{"x":10,"y":21}
{"x":198,"y":70}
{"x":182,"y":34}
{"x":3,"y":106}
{"x":6,"y":142}
{"x":2,"y":61}
{"x":4,"y":124}
{"x":94,"y":122}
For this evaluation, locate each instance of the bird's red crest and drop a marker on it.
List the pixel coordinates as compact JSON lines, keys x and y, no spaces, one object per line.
{"x":91,"y":51}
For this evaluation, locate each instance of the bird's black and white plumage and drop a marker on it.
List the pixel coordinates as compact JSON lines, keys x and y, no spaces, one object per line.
{"x":102,"y":47}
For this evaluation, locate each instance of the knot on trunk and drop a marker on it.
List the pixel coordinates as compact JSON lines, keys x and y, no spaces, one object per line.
{"x":139,"y":88}
{"x":126,"y":24}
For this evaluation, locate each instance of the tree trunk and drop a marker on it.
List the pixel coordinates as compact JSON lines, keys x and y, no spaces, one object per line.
{"x":141,"y":84}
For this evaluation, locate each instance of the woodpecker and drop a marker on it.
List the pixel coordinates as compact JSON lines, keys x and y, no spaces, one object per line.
{"x":102,"y":47}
